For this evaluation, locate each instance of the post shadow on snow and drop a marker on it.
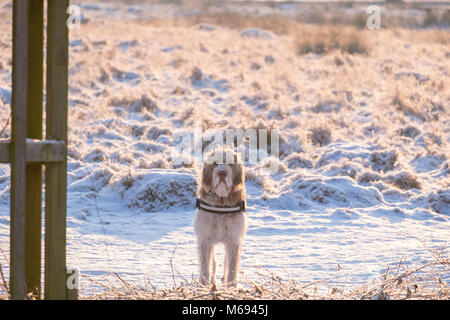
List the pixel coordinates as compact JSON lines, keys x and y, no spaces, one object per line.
{"x":107,"y":219}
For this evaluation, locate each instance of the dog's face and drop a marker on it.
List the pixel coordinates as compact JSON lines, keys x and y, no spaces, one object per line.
{"x":222,"y":172}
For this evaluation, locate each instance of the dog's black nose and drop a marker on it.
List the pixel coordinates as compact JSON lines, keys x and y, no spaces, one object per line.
{"x":222,"y":174}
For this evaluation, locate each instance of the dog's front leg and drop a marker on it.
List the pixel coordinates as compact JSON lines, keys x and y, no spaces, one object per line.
{"x":205,"y":252}
{"x":232,"y":261}
{"x":213,"y":271}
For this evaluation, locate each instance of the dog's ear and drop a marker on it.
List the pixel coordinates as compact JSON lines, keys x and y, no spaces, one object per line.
{"x":238,"y":174}
{"x":207,"y":175}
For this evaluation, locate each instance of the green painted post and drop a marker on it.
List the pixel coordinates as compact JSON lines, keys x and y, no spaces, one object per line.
{"x":34,"y":131}
{"x":18,"y":148}
{"x":56,"y":173}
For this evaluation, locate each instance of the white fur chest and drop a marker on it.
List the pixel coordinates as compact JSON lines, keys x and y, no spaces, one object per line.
{"x":220,"y":228}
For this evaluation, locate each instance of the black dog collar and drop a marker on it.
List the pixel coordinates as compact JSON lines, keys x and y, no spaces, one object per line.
{"x":239,"y":208}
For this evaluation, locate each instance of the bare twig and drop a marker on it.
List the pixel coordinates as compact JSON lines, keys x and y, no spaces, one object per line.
{"x":171,"y":266}
{"x":6,"y":125}
{"x":4,"y":255}
{"x":3,"y":279}
{"x":122,"y":280}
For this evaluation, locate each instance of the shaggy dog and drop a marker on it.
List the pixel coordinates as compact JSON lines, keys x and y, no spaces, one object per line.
{"x":221,"y":186}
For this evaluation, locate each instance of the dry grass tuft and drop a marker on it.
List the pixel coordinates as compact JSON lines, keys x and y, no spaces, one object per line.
{"x":231,"y":20}
{"x":417,"y":106}
{"x":445,"y":19}
{"x":405,"y":181}
{"x":134,"y":103}
{"x":394,"y":1}
{"x":409,"y":131}
{"x":433,"y":18}
{"x":329,"y":38}
{"x":320,"y":136}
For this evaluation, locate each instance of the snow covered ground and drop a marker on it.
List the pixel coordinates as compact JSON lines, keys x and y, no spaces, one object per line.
{"x":363,"y":175}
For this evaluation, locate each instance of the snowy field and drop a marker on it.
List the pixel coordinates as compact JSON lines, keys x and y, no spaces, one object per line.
{"x":363,"y":177}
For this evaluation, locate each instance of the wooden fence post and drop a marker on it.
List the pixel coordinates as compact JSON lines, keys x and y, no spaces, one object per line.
{"x":18,"y":147}
{"x":27,"y":156}
{"x":56,"y":173}
{"x":34,"y":130}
